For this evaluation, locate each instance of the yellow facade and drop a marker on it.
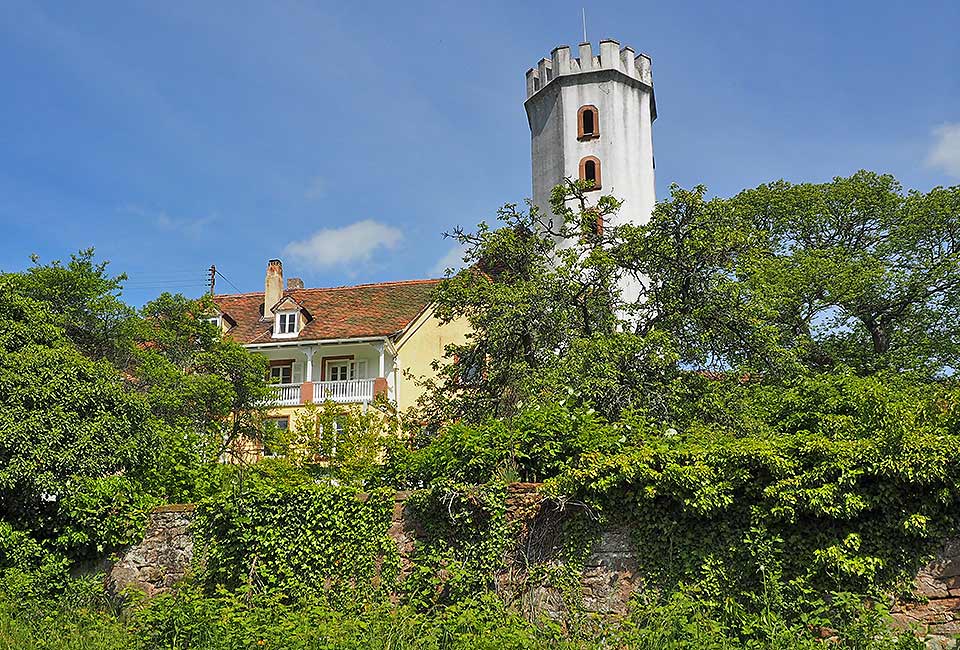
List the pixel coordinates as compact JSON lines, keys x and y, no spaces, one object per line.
{"x":422,"y":344}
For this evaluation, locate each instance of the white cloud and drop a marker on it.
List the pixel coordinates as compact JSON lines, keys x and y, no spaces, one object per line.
{"x":945,"y":153}
{"x":353,"y":243}
{"x":453,"y":259}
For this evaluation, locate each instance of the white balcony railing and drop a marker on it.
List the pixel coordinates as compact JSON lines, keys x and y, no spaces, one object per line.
{"x":350,"y":391}
{"x":286,"y":394}
{"x":343,"y":392}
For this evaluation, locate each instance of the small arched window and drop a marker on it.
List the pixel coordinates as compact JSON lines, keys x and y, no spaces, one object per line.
{"x":588,"y":123}
{"x":590,"y":171}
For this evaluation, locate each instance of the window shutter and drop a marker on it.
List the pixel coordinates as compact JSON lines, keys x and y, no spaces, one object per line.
{"x":358,"y":370}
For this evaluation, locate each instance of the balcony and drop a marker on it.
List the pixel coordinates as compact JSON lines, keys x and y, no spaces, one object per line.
{"x":352,"y":391}
{"x":286,"y":394}
{"x":344,"y":392}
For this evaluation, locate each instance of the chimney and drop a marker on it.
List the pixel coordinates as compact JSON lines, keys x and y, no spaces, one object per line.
{"x":294,"y":283}
{"x":272,"y":286}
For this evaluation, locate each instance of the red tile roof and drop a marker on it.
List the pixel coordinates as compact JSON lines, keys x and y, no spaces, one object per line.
{"x":365,"y":310}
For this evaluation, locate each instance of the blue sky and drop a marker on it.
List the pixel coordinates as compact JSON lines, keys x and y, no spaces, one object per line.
{"x":346,"y":137}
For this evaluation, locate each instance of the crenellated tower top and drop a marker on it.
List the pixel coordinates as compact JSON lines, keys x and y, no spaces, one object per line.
{"x":636,"y":67}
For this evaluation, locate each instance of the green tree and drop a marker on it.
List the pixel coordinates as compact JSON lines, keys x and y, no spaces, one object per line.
{"x":84,"y":300}
{"x":863,"y":274}
{"x":686,"y":259}
{"x":73,"y":441}
{"x":206,"y":386}
{"x":106,"y":412}
{"x":540,"y":296}
{"x":345,"y":443}
{"x":809,"y":277}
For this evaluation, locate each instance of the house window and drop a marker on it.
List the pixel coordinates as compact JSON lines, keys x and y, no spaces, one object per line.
{"x":595,"y":223}
{"x":213,"y":320}
{"x":331,"y":439}
{"x":281,"y":373}
{"x":287,"y":322}
{"x":588,"y":123}
{"x":471,"y":367}
{"x":338,"y":371}
{"x":590,"y":171}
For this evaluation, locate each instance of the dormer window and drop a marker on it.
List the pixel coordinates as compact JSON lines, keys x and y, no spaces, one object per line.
{"x":289,"y":318}
{"x":223,"y":321}
{"x":286,"y":325}
{"x":588,"y":123}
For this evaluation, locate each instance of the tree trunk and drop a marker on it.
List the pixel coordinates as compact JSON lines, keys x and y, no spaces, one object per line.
{"x":879,"y":335}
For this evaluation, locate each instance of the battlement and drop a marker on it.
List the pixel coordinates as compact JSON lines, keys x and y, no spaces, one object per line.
{"x":611,"y":57}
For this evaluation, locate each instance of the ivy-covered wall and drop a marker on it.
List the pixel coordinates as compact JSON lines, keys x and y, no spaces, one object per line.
{"x":540,"y":555}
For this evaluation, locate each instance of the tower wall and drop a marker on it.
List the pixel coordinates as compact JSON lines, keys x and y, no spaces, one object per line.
{"x":620,"y":86}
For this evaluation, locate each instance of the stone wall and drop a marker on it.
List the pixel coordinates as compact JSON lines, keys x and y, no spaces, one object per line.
{"x":609,"y":577}
{"x":162,"y":558}
{"x":610,"y":572}
{"x":934,"y":609}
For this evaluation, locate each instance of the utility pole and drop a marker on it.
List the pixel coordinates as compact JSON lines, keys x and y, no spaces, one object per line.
{"x":212,"y":279}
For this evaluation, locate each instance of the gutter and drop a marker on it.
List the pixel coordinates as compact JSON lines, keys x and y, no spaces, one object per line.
{"x":302,"y":343}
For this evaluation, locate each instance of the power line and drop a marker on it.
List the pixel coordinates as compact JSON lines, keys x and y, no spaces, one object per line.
{"x":166,"y":279}
{"x":217,"y":271}
{"x":198,"y":277}
{"x":161,"y":285}
{"x":160,"y":271}
{"x":195,"y":279}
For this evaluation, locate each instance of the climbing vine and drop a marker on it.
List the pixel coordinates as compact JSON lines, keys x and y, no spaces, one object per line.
{"x":300,"y":540}
{"x":811,"y":492}
{"x":465,"y":538}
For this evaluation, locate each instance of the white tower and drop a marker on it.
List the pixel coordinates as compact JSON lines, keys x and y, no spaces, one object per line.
{"x":591,"y":118}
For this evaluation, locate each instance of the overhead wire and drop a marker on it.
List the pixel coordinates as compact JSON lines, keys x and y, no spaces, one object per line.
{"x":228,"y":281}
{"x":172,"y":278}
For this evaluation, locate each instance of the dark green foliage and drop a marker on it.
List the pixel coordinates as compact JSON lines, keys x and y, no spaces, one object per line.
{"x":208,"y":392}
{"x":72,"y":439}
{"x":465,"y":539}
{"x":818,"y":457}
{"x":534,"y":444}
{"x":823,"y":485}
{"x":82,"y":301}
{"x":192,"y":620}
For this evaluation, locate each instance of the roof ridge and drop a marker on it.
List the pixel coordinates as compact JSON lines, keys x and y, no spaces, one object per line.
{"x":344,"y":287}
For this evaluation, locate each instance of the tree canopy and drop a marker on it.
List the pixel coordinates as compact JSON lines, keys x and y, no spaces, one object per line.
{"x":776,"y":281}
{"x":107,"y":410}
